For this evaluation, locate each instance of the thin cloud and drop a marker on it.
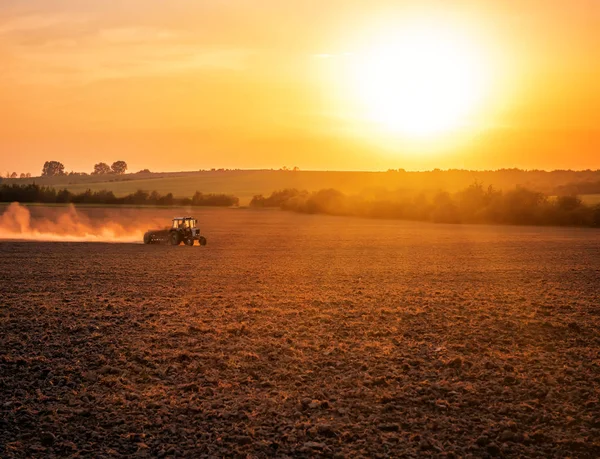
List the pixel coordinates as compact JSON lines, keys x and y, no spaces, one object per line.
{"x":69,"y":51}
{"x":137,"y":35}
{"x":35,"y":22}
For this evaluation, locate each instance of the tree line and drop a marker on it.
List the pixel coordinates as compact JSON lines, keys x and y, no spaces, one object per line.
{"x":519,"y":206}
{"x":54,"y":168}
{"x":14,"y":175}
{"x":33,"y":193}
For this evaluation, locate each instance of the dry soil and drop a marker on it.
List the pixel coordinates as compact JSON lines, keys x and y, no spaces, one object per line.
{"x":302,"y":336}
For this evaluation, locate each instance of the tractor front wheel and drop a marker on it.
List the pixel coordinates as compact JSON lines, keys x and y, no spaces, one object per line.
{"x":202,"y":240}
{"x":175,"y":238}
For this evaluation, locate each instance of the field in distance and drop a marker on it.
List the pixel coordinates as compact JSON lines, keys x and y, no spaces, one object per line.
{"x":304,"y":336}
{"x":246,"y":183}
{"x":590,"y":199}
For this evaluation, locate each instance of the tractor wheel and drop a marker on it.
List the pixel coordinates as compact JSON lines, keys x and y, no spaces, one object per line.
{"x":189,"y":241}
{"x":147,"y":238}
{"x":175,"y":238}
{"x":202,"y":240}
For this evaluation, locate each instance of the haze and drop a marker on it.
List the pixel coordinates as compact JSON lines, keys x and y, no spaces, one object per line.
{"x":184,"y":85}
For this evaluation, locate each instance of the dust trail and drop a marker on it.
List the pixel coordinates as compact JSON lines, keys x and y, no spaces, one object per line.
{"x":65,"y":225}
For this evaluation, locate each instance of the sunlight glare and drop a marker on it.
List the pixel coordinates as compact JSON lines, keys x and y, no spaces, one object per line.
{"x":421,"y":81}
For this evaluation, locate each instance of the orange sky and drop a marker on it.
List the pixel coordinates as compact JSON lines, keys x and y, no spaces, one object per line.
{"x":185,"y":85}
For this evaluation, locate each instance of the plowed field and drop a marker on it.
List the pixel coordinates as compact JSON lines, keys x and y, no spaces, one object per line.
{"x":304,"y":336}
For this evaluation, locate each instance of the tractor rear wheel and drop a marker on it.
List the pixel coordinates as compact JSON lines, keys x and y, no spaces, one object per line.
{"x":175,"y":238}
{"x":147,"y":238}
{"x":202,"y":240}
{"x":189,"y":241}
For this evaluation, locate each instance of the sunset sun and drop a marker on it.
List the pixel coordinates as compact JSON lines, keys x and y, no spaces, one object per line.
{"x":422,"y":80}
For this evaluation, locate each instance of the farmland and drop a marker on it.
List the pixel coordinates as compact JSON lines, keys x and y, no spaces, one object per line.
{"x":591,"y":199}
{"x":298,"y":335}
{"x":246,"y":183}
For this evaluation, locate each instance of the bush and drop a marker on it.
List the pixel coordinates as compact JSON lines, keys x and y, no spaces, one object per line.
{"x":474,"y":204}
{"x":218,"y":200}
{"x":36,"y":193}
{"x":596,"y":216}
{"x":277,"y":198}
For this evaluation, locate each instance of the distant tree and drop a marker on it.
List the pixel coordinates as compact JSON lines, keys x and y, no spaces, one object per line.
{"x":64,"y":196}
{"x":52,"y":168}
{"x":28,"y":175}
{"x":119,"y":167}
{"x":143,"y":171}
{"x":522,"y":206}
{"x":596,"y":216}
{"x":568,"y":203}
{"x":101,"y":169}
{"x":154,"y":197}
{"x":445,"y":210}
{"x":137,"y":198}
{"x":277,"y":198}
{"x":166,"y":200}
{"x":200,"y":199}
{"x":22,"y":175}
{"x":14,"y":175}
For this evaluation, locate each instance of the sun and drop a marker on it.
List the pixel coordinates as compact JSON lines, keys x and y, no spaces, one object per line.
{"x":421,"y":80}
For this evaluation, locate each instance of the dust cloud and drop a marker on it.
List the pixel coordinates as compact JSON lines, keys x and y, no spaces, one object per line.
{"x":66,"y":225}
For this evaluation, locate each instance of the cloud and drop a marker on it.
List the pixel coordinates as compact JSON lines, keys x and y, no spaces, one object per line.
{"x":61,"y":50}
{"x":35,"y":22}
{"x":137,"y":35}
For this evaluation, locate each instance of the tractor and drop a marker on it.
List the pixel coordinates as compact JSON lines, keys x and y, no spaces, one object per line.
{"x":183,"y":229}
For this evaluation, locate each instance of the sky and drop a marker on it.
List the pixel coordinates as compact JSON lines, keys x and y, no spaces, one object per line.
{"x":188,"y":84}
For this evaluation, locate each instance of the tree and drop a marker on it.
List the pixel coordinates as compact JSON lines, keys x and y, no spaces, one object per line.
{"x":28,"y":175}
{"x":14,"y":175}
{"x":568,"y":203}
{"x":52,"y":168}
{"x":101,"y":168}
{"x":64,"y":196}
{"x":119,"y":167}
{"x":22,"y":175}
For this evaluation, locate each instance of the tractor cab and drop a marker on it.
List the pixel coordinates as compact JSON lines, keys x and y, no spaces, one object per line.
{"x":184,"y":223}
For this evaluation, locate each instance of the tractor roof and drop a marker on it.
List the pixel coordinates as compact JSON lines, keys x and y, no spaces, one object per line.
{"x":183,"y":218}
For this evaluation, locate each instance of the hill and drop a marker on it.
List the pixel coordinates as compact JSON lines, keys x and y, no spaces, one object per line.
{"x":247,"y":183}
